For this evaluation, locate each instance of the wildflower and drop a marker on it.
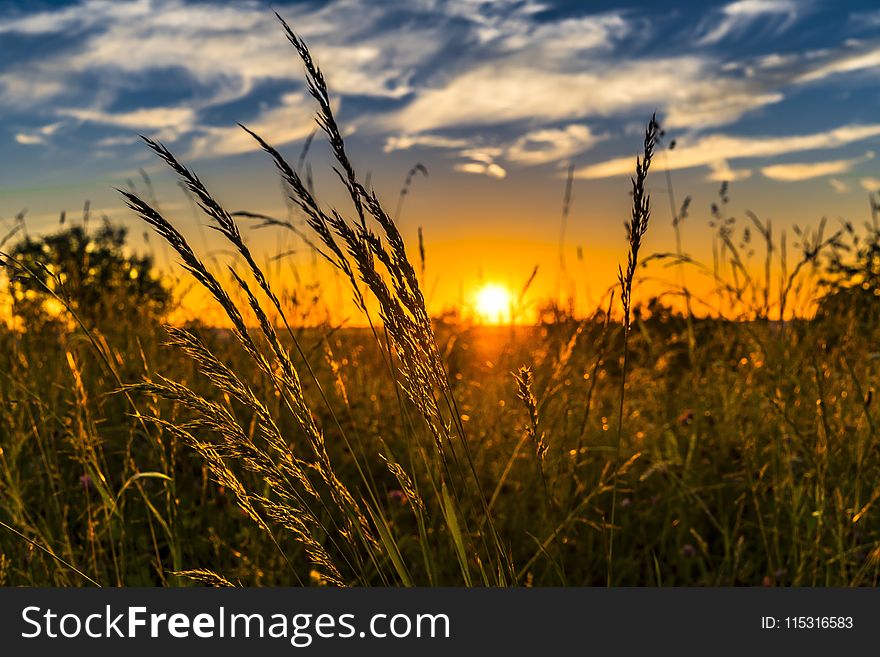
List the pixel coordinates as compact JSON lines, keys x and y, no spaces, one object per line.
{"x":397,"y":495}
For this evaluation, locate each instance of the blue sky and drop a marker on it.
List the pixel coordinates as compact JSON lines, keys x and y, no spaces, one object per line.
{"x":495,"y":98}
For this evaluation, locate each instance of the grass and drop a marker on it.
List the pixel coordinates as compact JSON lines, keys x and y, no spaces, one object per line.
{"x":645,"y":448}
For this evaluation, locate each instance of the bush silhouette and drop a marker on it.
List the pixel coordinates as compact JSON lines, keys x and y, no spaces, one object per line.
{"x":91,"y":272}
{"x":852,"y":278}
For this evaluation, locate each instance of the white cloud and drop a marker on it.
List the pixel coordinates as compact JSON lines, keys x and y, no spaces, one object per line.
{"x":507,"y":69}
{"x":29,"y":139}
{"x":84,"y":14}
{"x":227,"y":51}
{"x":228,"y":44}
{"x":566,"y":37}
{"x":38,"y":137}
{"x":404,"y":142}
{"x":712,"y":150}
{"x":838,"y":186}
{"x":551,"y":145}
{"x":796,"y":171}
{"x":532,"y":148}
{"x":870,"y":184}
{"x":485,"y":155}
{"x":490,"y":169}
{"x":720,"y":170}
{"x":482,"y":161}
{"x":22,"y":90}
{"x":150,"y":119}
{"x":739,"y":16}
{"x":712,"y":107}
{"x":691,"y":92}
{"x":109,"y":142}
{"x":510,"y":26}
{"x":290,"y":121}
{"x":688,"y":87}
{"x":842,"y":63}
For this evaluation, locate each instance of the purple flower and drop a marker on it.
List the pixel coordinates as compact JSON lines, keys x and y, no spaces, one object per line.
{"x":397,"y":496}
{"x":86,"y":482}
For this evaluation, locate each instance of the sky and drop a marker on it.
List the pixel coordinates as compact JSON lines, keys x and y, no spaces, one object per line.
{"x":496,"y":99}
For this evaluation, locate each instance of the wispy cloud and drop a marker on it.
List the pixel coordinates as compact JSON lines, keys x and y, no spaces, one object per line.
{"x":512,"y":26}
{"x":552,"y":145}
{"x":843,"y":62}
{"x":151,"y":118}
{"x":404,"y":142}
{"x":795,"y":171}
{"x":866,"y":18}
{"x":29,"y":139}
{"x":39,"y":135}
{"x":537,"y":81}
{"x":482,"y":161}
{"x":870,"y":184}
{"x":690,"y":89}
{"x":490,"y":169}
{"x":720,"y":171}
{"x":838,"y":185}
{"x":737,"y":17}
{"x":227,"y":51}
{"x":288,"y":122}
{"x":216,"y":43}
{"x":27,"y":90}
{"x":84,"y":14}
{"x":717,"y":150}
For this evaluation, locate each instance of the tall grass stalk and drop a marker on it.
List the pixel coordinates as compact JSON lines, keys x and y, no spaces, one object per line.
{"x":562,"y":280}
{"x":307,"y":496}
{"x":636,"y":229}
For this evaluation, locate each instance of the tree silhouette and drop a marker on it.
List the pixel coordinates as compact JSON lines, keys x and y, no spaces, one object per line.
{"x":90,"y":271}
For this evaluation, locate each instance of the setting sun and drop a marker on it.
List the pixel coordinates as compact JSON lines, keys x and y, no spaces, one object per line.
{"x":493,"y":304}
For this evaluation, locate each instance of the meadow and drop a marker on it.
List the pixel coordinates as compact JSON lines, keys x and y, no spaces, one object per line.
{"x":726,"y":438}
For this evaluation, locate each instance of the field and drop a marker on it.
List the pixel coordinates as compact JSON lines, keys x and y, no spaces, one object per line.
{"x":645,"y":444}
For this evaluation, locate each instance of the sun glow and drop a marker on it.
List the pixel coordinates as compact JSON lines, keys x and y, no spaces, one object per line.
{"x":493,"y":304}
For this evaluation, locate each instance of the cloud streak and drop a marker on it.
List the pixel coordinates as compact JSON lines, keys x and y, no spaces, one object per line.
{"x":290,"y":121}
{"x":736,"y":17}
{"x":534,"y":83}
{"x":797,"y":171}
{"x":229,"y":53}
{"x":718,"y":150}
{"x":552,"y":145}
{"x":687,"y":87}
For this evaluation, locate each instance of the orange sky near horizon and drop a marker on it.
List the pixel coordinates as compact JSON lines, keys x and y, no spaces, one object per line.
{"x":500,"y":244}
{"x":496,"y":101}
